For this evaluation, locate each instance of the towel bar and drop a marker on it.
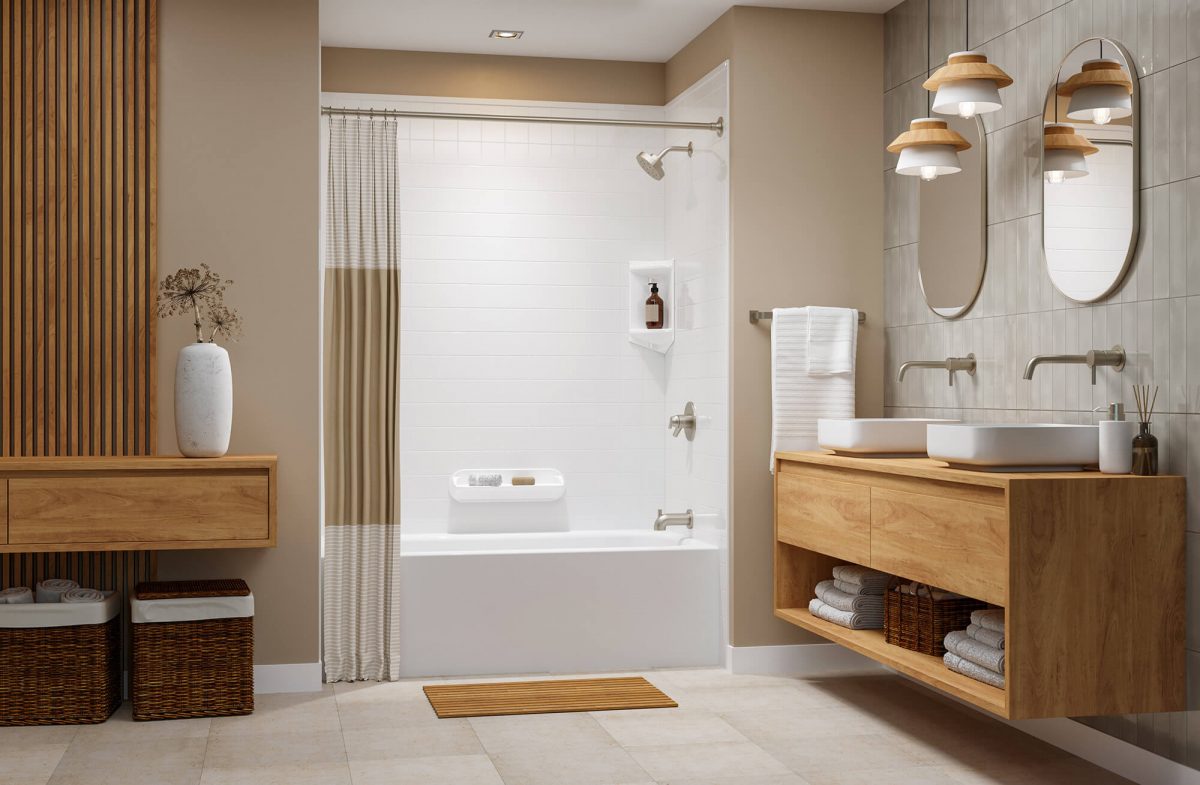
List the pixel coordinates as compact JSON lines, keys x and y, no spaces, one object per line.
{"x":758,"y":316}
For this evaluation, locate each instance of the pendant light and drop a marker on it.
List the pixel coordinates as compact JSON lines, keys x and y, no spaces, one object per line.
{"x":1063,"y":152}
{"x":967,"y":85}
{"x":1100,"y":92}
{"x":929,"y":148}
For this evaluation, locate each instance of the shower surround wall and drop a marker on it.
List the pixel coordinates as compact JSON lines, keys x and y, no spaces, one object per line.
{"x":1155,"y":315}
{"x":697,"y":367}
{"x":515,"y":247}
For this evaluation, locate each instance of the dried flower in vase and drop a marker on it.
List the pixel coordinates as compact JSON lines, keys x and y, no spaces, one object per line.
{"x":187,"y":290}
{"x":226,"y":322}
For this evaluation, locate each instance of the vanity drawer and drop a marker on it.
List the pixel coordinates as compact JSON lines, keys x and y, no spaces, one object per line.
{"x":823,"y":515}
{"x":954,"y":545}
{"x":152,"y":508}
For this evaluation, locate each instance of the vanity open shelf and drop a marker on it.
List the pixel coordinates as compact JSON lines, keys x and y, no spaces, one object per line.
{"x":1090,"y":569}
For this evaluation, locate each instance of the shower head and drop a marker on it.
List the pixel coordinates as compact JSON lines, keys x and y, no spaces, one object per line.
{"x":652,"y":164}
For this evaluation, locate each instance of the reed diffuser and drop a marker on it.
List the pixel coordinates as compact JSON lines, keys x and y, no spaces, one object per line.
{"x":1145,"y":444}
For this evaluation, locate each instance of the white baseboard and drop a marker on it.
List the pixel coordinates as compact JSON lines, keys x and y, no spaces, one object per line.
{"x":813,"y":659}
{"x":1107,"y":752}
{"x":294,"y":677}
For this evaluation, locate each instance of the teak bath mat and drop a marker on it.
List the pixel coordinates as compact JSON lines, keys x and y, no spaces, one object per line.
{"x":545,"y":697}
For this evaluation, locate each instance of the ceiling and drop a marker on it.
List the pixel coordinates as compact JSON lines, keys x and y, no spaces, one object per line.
{"x":648,"y":30}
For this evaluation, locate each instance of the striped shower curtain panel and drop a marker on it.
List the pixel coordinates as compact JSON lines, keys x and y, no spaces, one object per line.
{"x":360,"y":579}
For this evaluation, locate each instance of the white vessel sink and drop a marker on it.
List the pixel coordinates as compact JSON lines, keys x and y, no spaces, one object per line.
{"x":895,"y":436}
{"x":1035,"y":447}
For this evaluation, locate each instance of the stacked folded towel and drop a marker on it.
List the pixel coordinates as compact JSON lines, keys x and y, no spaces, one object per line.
{"x":978,"y":651}
{"x":853,"y":599}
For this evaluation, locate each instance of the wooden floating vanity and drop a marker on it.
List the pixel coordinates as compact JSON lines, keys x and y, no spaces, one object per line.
{"x":136,"y":503}
{"x":1090,"y":569}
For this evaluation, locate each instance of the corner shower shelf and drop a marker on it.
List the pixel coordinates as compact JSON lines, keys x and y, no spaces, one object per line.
{"x":548,"y":486}
{"x":640,"y":276}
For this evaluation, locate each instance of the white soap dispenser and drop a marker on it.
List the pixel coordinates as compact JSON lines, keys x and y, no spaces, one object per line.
{"x":1116,"y":441}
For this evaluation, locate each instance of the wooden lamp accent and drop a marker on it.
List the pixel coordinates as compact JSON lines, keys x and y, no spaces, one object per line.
{"x":967,"y":65}
{"x":929,"y":131}
{"x":1096,"y":73}
{"x":1060,"y":136}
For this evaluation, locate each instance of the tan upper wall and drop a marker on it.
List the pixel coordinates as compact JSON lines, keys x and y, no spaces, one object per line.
{"x":701,"y":55}
{"x":238,"y":188}
{"x":806,"y":205}
{"x":389,"y":72}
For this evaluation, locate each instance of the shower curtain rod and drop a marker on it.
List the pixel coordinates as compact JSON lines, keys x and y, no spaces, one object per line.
{"x":718,"y":127}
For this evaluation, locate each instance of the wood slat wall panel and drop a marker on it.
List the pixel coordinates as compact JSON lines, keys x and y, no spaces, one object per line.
{"x":77,"y":227}
{"x":78,"y":263}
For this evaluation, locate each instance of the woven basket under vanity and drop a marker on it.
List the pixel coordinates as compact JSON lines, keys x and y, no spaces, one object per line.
{"x":193,"y":649}
{"x":920,"y":622}
{"x":60,"y":664}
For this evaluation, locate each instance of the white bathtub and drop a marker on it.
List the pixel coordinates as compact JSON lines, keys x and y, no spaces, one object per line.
{"x":563,"y":602}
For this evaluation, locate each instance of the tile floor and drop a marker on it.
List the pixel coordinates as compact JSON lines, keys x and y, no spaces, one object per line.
{"x":728,"y":730}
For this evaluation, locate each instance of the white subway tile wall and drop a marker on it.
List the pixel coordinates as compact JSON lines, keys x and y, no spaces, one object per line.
{"x":515,"y":243}
{"x":1155,"y":315}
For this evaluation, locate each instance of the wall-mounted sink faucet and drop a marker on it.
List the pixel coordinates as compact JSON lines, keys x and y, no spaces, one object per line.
{"x":666,"y":519}
{"x":950,"y":365}
{"x":1108,"y":358}
{"x":685,"y":422}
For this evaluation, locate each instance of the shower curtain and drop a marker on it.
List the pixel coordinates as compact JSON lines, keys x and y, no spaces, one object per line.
{"x":360,"y":636}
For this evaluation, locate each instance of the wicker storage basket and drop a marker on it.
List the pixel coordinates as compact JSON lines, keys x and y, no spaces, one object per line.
{"x":59,"y":675}
{"x":199,"y":667}
{"x":919,"y":622}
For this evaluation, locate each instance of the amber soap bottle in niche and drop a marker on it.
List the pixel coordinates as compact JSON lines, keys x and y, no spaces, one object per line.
{"x":655,"y":309}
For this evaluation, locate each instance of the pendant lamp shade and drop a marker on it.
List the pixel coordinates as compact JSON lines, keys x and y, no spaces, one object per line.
{"x":1099,"y":93}
{"x":967,"y":85}
{"x":928,"y":149}
{"x":1063,"y":152}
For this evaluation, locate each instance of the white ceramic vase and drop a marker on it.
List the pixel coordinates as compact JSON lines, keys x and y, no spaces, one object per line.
{"x":203,"y":400}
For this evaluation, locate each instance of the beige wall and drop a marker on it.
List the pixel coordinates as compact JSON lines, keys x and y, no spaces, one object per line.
{"x":806,"y":228}
{"x":701,"y":55}
{"x":238,"y":188}
{"x":391,"y":72}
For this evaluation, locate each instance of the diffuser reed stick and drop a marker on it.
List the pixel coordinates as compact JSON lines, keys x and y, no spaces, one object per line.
{"x":1145,"y":444}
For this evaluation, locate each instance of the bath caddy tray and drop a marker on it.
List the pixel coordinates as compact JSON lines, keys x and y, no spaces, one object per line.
{"x":548,"y":486}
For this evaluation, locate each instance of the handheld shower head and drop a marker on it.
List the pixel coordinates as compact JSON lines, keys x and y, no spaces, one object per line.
{"x":652,"y":164}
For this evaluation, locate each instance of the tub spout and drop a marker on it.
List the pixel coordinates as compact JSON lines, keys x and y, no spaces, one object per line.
{"x":666,"y":519}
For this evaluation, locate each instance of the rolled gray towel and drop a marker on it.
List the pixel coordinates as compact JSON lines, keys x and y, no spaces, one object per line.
{"x":487,"y":480}
{"x":52,"y":589}
{"x":83,"y":595}
{"x":854,"y":588}
{"x":17,"y":595}
{"x":847,"y":601}
{"x":861,"y":576}
{"x":970,"y":669}
{"x":991,"y":619}
{"x":854,"y":620}
{"x":974,"y":651}
{"x":990,"y":637}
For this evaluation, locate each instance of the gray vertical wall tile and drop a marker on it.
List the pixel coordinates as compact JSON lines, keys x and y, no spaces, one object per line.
{"x":1156,"y":312}
{"x":946,"y":24}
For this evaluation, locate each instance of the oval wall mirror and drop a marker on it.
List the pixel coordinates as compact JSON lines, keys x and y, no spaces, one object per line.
{"x":1091,"y":172}
{"x":952,"y":239}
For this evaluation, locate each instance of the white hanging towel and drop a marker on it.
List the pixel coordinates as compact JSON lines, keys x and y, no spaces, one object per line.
{"x":806,"y":347}
{"x":832,"y":339}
